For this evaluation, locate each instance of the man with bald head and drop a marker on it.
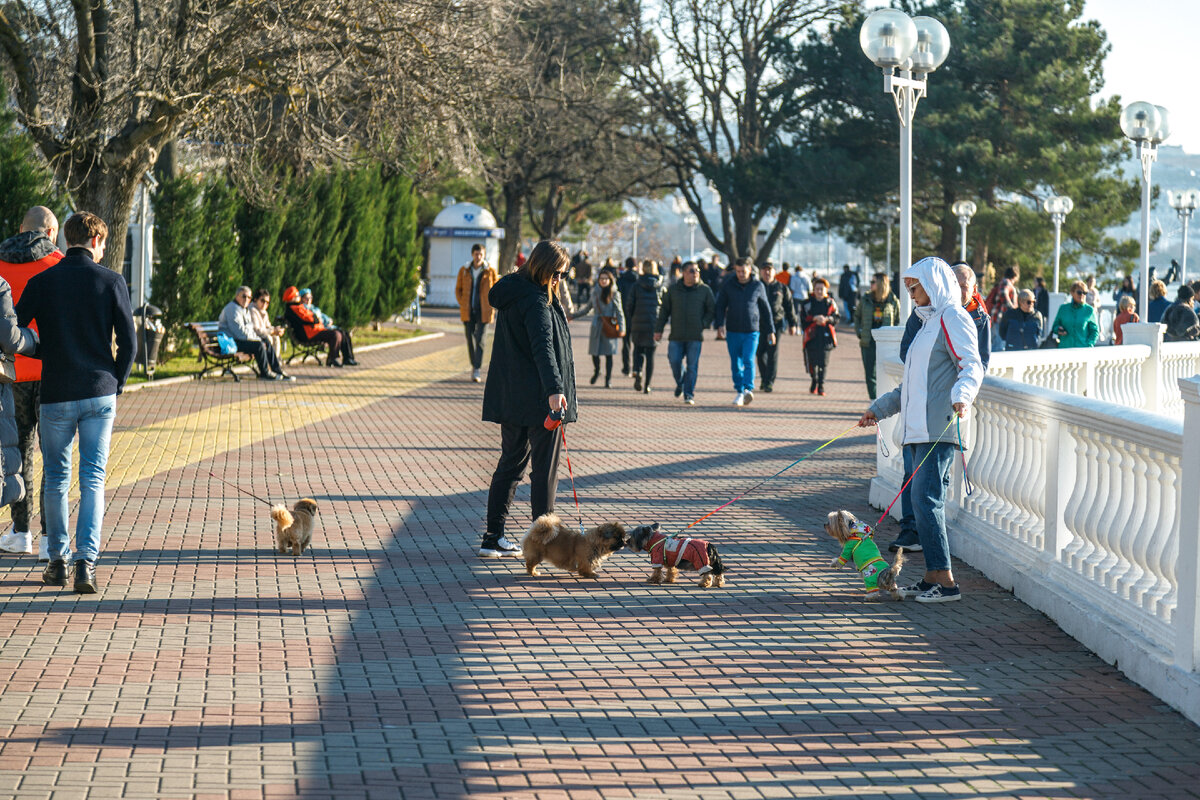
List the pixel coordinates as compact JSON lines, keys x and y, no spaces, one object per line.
{"x":21,"y":257}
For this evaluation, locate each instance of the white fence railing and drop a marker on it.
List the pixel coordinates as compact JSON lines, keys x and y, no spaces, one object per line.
{"x":1084,"y":503}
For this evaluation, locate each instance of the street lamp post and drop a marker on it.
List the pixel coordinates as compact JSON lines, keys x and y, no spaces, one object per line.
{"x":964,"y":210}
{"x":690,"y":220}
{"x":1057,"y":207}
{"x":1146,"y":125}
{"x":1185,"y":204}
{"x":889,"y":217}
{"x":635,"y":220}
{"x":914,"y":46}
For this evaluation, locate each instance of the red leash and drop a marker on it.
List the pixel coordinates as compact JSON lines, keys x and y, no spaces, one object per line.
{"x":914,"y":474}
{"x":562,"y":429}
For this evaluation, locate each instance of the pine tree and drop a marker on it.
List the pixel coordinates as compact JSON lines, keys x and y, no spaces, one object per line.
{"x":399,"y":271}
{"x":180,"y":235}
{"x":328,"y":234}
{"x":261,"y":241}
{"x":358,"y":269}
{"x":225,"y":273}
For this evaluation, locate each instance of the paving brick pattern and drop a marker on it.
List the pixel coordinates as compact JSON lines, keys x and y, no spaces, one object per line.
{"x":391,"y":662}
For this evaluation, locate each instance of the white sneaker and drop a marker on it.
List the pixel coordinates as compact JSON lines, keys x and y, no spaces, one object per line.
{"x":749,"y":397}
{"x":43,"y":549}
{"x":499,"y":548}
{"x":740,"y":400}
{"x":475,"y":376}
{"x":17,"y":542}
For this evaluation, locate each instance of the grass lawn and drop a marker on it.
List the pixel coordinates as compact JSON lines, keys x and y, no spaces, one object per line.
{"x":185,"y":363}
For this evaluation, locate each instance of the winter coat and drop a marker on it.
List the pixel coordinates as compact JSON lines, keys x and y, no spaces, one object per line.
{"x":462,"y":292}
{"x":743,"y":307}
{"x":625,"y":283}
{"x":848,"y":286}
{"x":983,"y":326}
{"x":1158,"y":307}
{"x":1182,"y":323}
{"x":304,"y":325}
{"x":1021,"y":330}
{"x":598,"y":343}
{"x":644,"y":300}
{"x":531,"y":355}
{"x":869,"y":315}
{"x":12,"y":340}
{"x":779,"y":298}
{"x":1075,"y":325}
{"x":942,"y":365}
{"x":1121,"y":320}
{"x":689,"y":309}
{"x":21,"y":257}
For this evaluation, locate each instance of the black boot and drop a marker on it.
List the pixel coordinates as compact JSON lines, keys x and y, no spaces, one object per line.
{"x":812,"y":389}
{"x":85,"y":577}
{"x":55,"y":573}
{"x":595,"y":370}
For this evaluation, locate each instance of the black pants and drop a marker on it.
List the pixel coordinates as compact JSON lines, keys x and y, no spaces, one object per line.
{"x":264,"y":356}
{"x":607,"y":367}
{"x":768,"y":360}
{"x":475,"y":331}
{"x":643,"y":362}
{"x":26,"y":401}
{"x":625,"y":348}
{"x":518,"y":444}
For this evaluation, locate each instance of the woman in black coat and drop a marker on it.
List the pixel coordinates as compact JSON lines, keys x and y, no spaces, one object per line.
{"x":644,"y":300}
{"x":531,"y":374}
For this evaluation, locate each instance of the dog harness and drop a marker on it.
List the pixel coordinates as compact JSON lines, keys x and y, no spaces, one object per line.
{"x":862,"y":550}
{"x":668,"y":551}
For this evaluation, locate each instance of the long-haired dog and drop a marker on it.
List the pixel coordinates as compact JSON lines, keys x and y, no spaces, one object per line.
{"x":858,"y":546}
{"x":675,"y":553}
{"x":549,"y":539}
{"x":294,"y":528}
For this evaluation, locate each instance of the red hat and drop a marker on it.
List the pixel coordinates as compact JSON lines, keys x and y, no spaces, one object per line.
{"x":520,"y":259}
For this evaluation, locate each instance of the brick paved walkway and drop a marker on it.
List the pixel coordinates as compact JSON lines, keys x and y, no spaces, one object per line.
{"x":394,"y":663}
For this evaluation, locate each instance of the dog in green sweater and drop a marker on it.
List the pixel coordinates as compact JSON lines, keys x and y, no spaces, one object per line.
{"x":858,"y":546}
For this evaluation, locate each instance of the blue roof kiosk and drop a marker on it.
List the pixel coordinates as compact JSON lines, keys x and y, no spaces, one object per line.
{"x":455,"y":229}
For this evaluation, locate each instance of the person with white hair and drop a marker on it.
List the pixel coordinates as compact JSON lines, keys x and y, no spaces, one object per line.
{"x":942,"y":376}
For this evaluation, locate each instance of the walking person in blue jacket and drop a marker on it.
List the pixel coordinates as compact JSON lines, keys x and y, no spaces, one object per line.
{"x":743,"y":314}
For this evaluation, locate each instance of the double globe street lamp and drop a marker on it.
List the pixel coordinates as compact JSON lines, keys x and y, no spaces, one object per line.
{"x":1185,"y":204}
{"x":1146,"y":125}
{"x":964,"y":210}
{"x":907,"y":49}
{"x":1057,"y":206}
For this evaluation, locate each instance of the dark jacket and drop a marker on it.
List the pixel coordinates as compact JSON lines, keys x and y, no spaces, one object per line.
{"x":1021,"y":330}
{"x":1158,"y":307}
{"x":983,"y":329}
{"x":79,"y":306}
{"x":12,"y":340}
{"x":779,"y":298}
{"x":689,"y":309}
{"x":1182,"y":323}
{"x":531,"y":355}
{"x":642,"y":311}
{"x":743,"y":307}
{"x":625,"y":283}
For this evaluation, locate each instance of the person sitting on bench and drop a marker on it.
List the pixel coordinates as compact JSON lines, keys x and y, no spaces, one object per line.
{"x":237,"y":323}
{"x":307,"y":328}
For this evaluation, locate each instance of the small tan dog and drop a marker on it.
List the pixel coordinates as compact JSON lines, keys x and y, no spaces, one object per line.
{"x":858,"y":546}
{"x":549,"y":539}
{"x":294,"y":528}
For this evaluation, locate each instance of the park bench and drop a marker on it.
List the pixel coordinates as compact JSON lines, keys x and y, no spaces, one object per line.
{"x":298,"y":346}
{"x":210,"y":355}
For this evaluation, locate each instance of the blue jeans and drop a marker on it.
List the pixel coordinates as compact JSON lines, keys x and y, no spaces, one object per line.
{"x":928,"y":503}
{"x":742,"y":347}
{"x":908,"y":521}
{"x":676,"y":353}
{"x":93,"y":418}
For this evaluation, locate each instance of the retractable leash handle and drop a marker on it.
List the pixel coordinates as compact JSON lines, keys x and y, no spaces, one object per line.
{"x":554,"y":420}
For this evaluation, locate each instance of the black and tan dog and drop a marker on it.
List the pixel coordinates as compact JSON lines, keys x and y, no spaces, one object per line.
{"x":676,"y":553}
{"x":294,"y":528}
{"x":549,"y":539}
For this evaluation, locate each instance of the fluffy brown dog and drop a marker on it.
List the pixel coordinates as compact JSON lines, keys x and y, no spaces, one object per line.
{"x":858,"y":546}
{"x":676,"y":553}
{"x":295,"y":528}
{"x":548,"y":539}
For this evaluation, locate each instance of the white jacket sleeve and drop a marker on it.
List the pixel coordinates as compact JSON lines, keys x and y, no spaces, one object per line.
{"x":964,"y":343}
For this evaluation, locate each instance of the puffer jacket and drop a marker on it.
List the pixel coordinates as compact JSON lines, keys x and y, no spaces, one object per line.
{"x":689,"y":309}
{"x":644,"y":301}
{"x":13,"y":339}
{"x":303,"y":322}
{"x":21,"y":257}
{"x":942,"y":366}
{"x":531,"y":355}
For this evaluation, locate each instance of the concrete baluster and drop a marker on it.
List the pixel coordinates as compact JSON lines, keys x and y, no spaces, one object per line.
{"x":1187,"y":612}
{"x":1150,"y":334}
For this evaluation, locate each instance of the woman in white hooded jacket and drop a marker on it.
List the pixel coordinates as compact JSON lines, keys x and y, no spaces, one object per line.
{"x":942,"y":376}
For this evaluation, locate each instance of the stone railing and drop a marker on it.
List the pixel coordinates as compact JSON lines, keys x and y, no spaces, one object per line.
{"x":1087,"y":507}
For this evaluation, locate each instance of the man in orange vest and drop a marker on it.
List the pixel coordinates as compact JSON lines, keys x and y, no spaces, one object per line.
{"x":21,"y":257}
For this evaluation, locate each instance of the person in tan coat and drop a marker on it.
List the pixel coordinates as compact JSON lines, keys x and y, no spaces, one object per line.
{"x":475,"y":280}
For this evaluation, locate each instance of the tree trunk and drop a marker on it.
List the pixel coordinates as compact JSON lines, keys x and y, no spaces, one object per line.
{"x":514,"y":199}
{"x":108,"y":192}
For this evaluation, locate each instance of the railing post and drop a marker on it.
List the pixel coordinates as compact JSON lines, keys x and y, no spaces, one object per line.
{"x":1058,"y":488}
{"x":1150,"y":334}
{"x":1187,"y":572}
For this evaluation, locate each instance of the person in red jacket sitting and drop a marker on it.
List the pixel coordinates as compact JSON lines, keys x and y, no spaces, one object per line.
{"x":308,"y":328}
{"x":21,"y":257}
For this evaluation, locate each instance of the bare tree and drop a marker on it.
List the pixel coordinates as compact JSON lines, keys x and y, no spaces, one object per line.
{"x":104,"y":85}
{"x":716,"y":72}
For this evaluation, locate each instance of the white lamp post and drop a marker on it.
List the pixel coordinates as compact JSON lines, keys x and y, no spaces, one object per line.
{"x":690,"y":220}
{"x":915,"y":46}
{"x":1185,"y":204}
{"x":1147,"y":125}
{"x":964,"y":210}
{"x":1057,"y":207}
{"x":635,"y":220}
{"x":889,"y":217}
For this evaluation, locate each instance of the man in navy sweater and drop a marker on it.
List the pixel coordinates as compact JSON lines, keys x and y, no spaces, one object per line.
{"x":79,"y":307}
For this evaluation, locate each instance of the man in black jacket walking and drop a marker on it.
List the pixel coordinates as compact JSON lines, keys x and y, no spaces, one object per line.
{"x":779,"y":298}
{"x":79,"y":307}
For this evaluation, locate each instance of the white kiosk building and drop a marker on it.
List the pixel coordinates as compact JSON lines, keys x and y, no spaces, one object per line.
{"x":454,"y":230}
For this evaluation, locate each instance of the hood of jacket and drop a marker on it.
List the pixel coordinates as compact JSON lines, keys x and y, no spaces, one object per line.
{"x":938,"y":281}
{"x":26,"y":247}
{"x":514,"y":289}
{"x":649,"y":281}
